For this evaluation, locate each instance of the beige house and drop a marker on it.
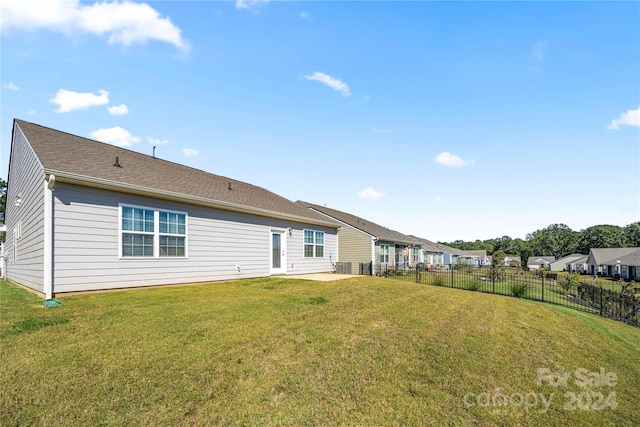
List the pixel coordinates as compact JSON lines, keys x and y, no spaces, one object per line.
{"x":365,"y":247}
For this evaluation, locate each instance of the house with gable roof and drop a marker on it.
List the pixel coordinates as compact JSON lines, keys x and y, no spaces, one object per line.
{"x":578,"y":265}
{"x":536,"y":262}
{"x":560,"y":264}
{"x":434,"y":255}
{"x":615,"y":262}
{"x":82,"y":215}
{"x":365,"y":242}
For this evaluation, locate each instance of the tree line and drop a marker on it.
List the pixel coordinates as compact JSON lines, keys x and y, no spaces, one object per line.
{"x":558,"y":240}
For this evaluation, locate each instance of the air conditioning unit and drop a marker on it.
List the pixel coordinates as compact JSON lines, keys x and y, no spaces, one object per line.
{"x":343,"y":267}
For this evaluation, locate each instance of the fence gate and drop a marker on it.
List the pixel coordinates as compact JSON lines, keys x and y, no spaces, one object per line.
{"x":366,"y":268}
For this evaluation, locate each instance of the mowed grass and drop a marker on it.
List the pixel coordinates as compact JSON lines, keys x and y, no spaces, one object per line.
{"x":363,"y":351}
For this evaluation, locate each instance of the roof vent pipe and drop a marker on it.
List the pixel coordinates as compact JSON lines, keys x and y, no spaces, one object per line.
{"x":229,"y":188}
{"x":154,"y":151}
{"x":117,"y":163}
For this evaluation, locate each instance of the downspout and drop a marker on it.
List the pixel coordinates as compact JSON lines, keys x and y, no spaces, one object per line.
{"x":48,"y":237}
{"x":373,"y":255}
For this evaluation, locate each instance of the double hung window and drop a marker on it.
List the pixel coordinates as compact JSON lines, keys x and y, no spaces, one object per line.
{"x":313,"y":244}
{"x":152,"y":233}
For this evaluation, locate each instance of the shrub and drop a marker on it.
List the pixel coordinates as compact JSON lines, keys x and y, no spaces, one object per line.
{"x":542,"y":271}
{"x":569,"y":281}
{"x":463,"y":268}
{"x":438,"y":280}
{"x":518,"y":290}
{"x":474,"y":285}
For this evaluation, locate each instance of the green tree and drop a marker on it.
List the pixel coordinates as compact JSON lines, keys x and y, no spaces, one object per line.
{"x":631,"y":235}
{"x":556,"y":239}
{"x":503,"y":244}
{"x":600,"y":236}
{"x":497,"y":267}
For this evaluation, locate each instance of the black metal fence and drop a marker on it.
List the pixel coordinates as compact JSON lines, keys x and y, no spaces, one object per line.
{"x":621,"y":305}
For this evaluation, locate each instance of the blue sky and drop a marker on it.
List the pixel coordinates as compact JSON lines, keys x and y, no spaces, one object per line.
{"x":448,"y":120}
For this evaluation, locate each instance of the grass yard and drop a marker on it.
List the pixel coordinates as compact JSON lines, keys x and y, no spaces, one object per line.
{"x":362,"y":351}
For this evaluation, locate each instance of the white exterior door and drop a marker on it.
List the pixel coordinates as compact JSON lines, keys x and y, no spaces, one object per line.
{"x":278,"y":253}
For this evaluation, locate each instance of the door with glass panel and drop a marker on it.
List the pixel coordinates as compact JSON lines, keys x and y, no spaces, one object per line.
{"x":278,"y":255}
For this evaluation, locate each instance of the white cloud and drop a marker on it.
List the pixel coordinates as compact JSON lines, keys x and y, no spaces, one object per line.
{"x":538,"y":50}
{"x":370,"y":193}
{"x":123,"y":22}
{"x":115,"y":136}
{"x":190,"y":152}
{"x":68,"y":100}
{"x":630,"y":118}
{"x":156,"y":141}
{"x":333,"y":83}
{"x":450,"y":160}
{"x":118,"y":110}
{"x":246,"y":4}
{"x":10,"y":86}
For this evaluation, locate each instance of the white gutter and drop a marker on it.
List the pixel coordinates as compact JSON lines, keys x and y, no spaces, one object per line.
{"x":169,"y":195}
{"x":48,"y":237}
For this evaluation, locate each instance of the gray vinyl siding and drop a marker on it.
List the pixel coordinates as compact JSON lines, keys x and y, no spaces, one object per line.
{"x":354,"y":247}
{"x":86,"y":245}
{"x":26,"y":177}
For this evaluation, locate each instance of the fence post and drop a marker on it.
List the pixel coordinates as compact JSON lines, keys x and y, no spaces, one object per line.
{"x":452,"y":275}
{"x":600,"y":300}
{"x":543,"y":287}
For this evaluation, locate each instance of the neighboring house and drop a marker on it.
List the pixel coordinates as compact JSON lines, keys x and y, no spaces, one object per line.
{"x":578,"y":265}
{"x":82,"y":215}
{"x":475,"y":258}
{"x":434,"y":255}
{"x":615,"y":262}
{"x":512,"y":261}
{"x":536,"y":262}
{"x":561,"y":263}
{"x":364,"y":242}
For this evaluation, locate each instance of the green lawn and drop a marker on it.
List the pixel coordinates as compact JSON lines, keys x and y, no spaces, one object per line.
{"x":363,"y":351}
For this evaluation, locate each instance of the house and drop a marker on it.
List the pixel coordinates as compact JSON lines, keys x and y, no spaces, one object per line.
{"x":474,"y":258}
{"x":363,"y":242}
{"x":578,"y":265}
{"x":561,"y":263}
{"x":512,"y":261}
{"x":615,"y":262}
{"x":82,"y":215}
{"x":536,"y":262}
{"x":436,"y":255}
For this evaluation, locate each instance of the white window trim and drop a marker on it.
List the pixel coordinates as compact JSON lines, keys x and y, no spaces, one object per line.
{"x":304,"y":243}
{"x":387,"y":253}
{"x":156,"y":232}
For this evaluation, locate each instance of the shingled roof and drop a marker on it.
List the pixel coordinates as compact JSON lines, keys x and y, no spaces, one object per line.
{"x":80,"y":160}
{"x":369,"y":227}
{"x":610,"y":256}
{"x":430,"y":246}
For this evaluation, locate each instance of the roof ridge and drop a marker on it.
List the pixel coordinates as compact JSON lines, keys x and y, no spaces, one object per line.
{"x":181,"y":165}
